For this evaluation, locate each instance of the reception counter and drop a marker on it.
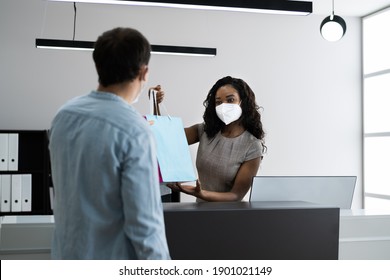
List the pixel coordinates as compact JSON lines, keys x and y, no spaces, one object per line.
{"x":256,"y":231}
{"x":277,"y":230}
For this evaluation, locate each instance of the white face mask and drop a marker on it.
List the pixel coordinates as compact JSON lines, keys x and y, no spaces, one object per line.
{"x":228,"y":113}
{"x":137,"y":98}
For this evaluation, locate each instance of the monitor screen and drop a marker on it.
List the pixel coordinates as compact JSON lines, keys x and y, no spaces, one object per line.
{"x":326,"y":190}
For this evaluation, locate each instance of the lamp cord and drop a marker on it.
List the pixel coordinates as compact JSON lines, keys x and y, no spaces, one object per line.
{"x":332,"y":15}
{"x":74,"y":19}
{"x":44,"y":19}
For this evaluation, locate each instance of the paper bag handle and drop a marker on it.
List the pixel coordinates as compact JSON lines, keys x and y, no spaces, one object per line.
{"x":154,"y":107}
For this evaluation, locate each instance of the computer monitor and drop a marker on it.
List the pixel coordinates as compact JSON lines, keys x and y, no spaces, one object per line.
{"x":326,"y":190}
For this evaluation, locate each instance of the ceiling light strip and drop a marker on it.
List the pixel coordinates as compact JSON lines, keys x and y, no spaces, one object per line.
{"x":156,"y":49}
{"x":260,"y":6}
{"x":180,"y":50}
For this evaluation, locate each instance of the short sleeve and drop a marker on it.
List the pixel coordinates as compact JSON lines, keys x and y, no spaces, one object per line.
{"x":255,"y":150}
{"x":200,"y":129}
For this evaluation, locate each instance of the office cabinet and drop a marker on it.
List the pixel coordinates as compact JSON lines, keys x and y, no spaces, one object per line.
{"x":24,"y":172}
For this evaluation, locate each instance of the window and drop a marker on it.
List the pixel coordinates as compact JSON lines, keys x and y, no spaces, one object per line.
{"x":376,"y":103}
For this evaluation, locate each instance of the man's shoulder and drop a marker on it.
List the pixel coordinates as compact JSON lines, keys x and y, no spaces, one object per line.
{"x":104,"y":113}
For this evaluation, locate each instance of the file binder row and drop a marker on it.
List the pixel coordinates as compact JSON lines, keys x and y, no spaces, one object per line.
{"x":16,"y":192}
{"x":9,"y":151}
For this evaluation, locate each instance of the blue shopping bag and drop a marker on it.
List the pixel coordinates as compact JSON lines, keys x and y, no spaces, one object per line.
{"x":173,"y":153}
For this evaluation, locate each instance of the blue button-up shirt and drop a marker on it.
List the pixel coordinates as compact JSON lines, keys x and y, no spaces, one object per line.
{"x":107,"y":200}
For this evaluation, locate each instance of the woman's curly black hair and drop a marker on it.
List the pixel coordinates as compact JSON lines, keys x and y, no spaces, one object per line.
{"x":250,"y":119}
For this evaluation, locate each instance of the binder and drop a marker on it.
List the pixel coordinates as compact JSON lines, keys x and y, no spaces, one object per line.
{"x":13,"y":151}
{"x":16,"y":193}
{"x":3,"y":151}
{"x":26,"y":192}
{"x":51,"y":194}
{"x":5,"y":193}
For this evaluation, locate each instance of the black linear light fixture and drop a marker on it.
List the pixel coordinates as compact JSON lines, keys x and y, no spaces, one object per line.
{"x":257,"y":6}
{"x":89,"y":45}
{"x":156,"y":49}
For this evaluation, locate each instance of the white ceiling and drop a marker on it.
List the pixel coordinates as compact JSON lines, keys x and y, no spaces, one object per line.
{"x":356,"y":8}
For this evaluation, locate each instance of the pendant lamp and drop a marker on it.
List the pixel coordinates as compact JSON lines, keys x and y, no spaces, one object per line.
{"x":333,"y":27}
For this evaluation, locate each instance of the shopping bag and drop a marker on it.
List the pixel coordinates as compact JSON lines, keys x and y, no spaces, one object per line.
{"x":173,"y":154}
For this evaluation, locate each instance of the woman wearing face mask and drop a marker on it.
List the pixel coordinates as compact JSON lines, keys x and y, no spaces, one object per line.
{"x":231,"y":143}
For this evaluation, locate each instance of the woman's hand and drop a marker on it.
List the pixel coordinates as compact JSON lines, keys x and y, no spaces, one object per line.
{"x":187,"y":189}
{"x":159,"y":93}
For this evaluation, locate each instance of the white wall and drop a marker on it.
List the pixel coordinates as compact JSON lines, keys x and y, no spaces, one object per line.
{"x":310,"y":89}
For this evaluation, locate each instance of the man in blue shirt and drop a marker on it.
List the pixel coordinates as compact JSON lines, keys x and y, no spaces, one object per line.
{"x":107,"y":199}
